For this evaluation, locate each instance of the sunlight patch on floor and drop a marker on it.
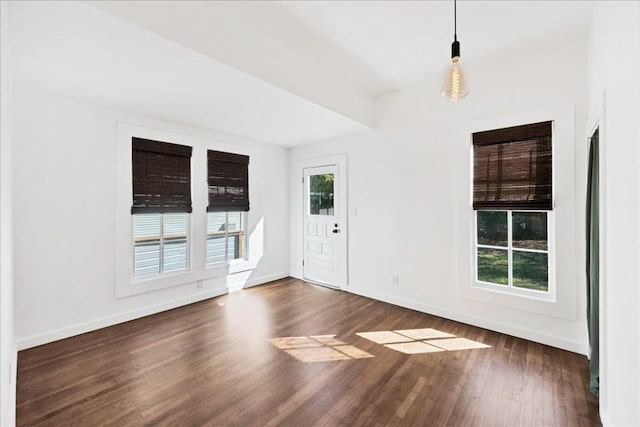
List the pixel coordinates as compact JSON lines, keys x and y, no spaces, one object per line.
{"x":414,"y":347}
{"x":327,"y":339}
{"x":353,"y":351}
{"x":319,"y":348}
{"x":295,"y":342}
{"x":384,"y":337}
{"x":317,"y":354}
{"x":418,"y":341}
{"x":424,"y":334}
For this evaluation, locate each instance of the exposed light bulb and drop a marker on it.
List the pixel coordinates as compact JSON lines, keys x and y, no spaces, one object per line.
{"x":455,"y":85}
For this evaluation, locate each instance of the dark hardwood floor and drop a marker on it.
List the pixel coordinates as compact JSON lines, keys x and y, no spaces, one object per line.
{"x":230,"y":361}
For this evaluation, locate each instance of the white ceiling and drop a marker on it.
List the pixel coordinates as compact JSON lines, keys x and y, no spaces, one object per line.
{"x":296,"y":71}
{"x":401,"y":42}
{"x":76,"y":51}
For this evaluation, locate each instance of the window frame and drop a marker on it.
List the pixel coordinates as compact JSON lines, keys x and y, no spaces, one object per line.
{"x":155,"y":166}
{"x":245,"y":250}
{"x":160,"y":274}
{"x":228,"y":170}
{"x":566,"y":219}
{"x":216,"y":279}
{"x":510,"y":290}
{"x":550,"y":294}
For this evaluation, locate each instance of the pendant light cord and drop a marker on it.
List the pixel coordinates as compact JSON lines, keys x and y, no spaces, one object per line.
{"x":455,"y":22}
{"x":455,"y":46}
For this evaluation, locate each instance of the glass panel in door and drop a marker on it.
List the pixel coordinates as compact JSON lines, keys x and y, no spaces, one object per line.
{"x":321,"y":194}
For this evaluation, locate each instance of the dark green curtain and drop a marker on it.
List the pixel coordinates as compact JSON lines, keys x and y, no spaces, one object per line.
{"x":593,"y":266}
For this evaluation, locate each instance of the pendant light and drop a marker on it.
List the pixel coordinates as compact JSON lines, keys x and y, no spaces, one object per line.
{"x":455,"y":85}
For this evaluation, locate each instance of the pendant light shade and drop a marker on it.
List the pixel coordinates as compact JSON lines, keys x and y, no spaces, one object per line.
{"x":455,"y":84}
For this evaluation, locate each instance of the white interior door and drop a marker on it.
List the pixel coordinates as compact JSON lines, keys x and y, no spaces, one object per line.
{"x":323,"y":231}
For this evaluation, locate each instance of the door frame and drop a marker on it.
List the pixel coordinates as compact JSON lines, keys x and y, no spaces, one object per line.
{"x":340,"y":160}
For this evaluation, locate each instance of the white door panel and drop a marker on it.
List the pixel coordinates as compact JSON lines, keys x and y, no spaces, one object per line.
{"x":322,"y":225}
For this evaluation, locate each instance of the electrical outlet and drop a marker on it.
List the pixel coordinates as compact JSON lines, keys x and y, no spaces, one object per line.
{"x":395,"y":280}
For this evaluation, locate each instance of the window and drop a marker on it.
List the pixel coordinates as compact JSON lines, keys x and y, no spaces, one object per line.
{"x":225,"y":236}
{"x":321,"y":194}
{"x":512,"y":199}
{"x":512,"y":249}
{"x":228,"y":183}
{"x":160,"y":243}
{"x":161,"y":175}
{"x":164,"y":235}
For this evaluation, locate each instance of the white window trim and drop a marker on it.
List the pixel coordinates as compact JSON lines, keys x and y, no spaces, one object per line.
{"x":126,"y":284}
{"x":549,"y":295}
{"x":568,"y":268}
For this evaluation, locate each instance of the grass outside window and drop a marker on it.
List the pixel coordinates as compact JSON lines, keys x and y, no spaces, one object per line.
{"x":512,"y":249}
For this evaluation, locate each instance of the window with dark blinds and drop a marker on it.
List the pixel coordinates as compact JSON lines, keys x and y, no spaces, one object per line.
{"x":228,"y":177}
{"x":512,"y":168}
{"x":161,"y":177}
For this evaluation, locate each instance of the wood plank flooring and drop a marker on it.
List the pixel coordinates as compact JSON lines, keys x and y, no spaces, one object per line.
{"x":230,"y":361}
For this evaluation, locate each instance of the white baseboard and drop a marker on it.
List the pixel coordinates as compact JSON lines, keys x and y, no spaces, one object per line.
{"x":14,"y":370}
{"x":81,"y":328}
{"x":93,"y":325}
{"x":8,"y":411}
{"x":528,"y":334}
{"x":266,"y":279}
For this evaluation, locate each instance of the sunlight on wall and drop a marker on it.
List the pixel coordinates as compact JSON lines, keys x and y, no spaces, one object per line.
{"x":237,"y":281}
{"x":240,"y":270}
{"x":416,"y":341}
{"x":256,"y":243}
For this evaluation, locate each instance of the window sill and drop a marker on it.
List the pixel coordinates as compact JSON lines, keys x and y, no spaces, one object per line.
{"x":159,"y":276}
{"x":233,"y":266}
{"x":136,"y":286}
{"x":496,"y":295}
{"x":515,"y":292}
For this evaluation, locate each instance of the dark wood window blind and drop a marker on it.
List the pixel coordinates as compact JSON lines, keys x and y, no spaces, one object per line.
{"x":161,"y":177}
{"x":512,"y":168}
{"x":228,"y":179}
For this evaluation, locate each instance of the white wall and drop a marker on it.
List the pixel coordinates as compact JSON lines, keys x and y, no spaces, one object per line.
{"x":8,"y":353}
{"x":614,"y":103}
{"x":65,"y":203}
{"x":409,"y":181}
